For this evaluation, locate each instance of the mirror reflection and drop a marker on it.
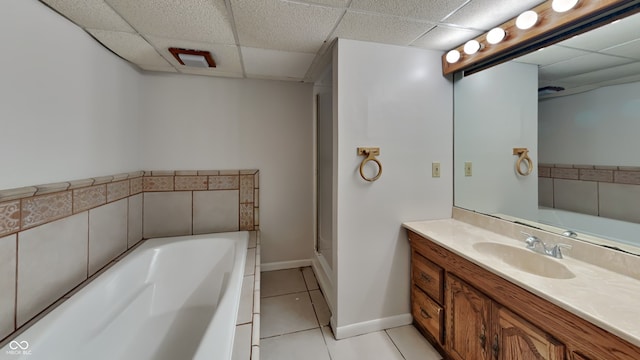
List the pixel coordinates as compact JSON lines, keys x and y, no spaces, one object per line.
{"x":575,"y":107}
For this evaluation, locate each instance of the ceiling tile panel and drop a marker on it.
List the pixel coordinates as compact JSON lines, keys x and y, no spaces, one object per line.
{"x":334,"y":3}
{"x":283,"y":65}
{"x":227,"y":57}
{"x":445,"y":38}
{"x":618,"y":32}
{"x":287,"y":26}
{"x":131,"y":47}
{"x":208,"y":72}
{"x":195,"y":20}
{"x":93,"y":14}
{"x":630,"y":50}
{"x":486,"y":14}
{"x":434,"y":10}
{"x":580,"y":65}
{"x":380,"y":28}
{"x":604,"y":75}
{"x":551,"y":55}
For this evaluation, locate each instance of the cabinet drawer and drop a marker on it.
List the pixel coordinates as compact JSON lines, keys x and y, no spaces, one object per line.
{"x":427,"y":276}
{"x":427,"y":313}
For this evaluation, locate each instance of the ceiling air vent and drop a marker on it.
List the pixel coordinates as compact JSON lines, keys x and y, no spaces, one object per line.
{"x":194,"y":58}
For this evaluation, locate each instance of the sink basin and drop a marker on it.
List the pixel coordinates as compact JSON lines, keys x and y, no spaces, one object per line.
{"x":525,"y":260}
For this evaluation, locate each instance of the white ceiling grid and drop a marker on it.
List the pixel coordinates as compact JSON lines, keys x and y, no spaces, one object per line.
{"x":285,"y":39}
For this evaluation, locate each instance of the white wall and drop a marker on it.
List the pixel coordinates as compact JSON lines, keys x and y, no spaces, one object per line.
{"x":197,"y":122}
{"x":68,"y":107}
{"x":395,"y":98}
{"x":496,"y":111}
{"x":599,"y":127}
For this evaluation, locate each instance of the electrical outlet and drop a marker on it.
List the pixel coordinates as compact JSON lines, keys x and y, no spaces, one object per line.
{"x":467,"y":168}
{"x":435,"y":169}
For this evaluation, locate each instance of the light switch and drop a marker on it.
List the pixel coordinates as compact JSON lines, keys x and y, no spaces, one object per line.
{"x":435,"y":169}
{"x":467,"y":168}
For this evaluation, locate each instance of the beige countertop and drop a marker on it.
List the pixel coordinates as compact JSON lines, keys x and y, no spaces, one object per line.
{"x":603,"y":297}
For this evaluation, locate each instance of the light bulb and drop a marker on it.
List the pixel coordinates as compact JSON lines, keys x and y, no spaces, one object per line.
{"x":453,"y":56}
{"x":471,"y":47}
{"x":561,"y":6}
{"x":526,"y":20}
{"x":496,"y":35}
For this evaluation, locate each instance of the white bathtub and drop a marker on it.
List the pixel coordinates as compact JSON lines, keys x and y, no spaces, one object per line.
{"x":171,"y":298}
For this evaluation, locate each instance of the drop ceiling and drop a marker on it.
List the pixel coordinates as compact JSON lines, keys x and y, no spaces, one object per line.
{"x":286,"y":39}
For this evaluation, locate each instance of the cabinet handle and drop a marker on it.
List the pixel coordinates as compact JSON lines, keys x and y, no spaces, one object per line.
{"x":424,"y":314}
{"x":425,"y":277}
{"x":483,"y":337}
{"x":495,"y":347}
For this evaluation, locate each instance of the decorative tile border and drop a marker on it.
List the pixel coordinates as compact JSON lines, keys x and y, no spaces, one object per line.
{"x":600,"y":173}
{"x":27,"y":207}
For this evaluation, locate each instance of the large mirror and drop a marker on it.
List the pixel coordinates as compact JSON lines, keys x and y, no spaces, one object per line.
{"x":575,"y":106}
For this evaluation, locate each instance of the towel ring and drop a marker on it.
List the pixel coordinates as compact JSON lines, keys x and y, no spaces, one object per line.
{"x":523,"y":154}
{"x":370,"y":153}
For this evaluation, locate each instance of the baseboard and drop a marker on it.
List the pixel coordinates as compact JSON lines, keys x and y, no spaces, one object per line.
{"x":342,"y":332}
{"x":282,"y":265}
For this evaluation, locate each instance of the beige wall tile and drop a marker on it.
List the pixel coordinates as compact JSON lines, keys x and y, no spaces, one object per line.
{"x":52,"y":260}
{"x":565,"y":173}
{"x":41,"y":209}
{"x":627,"y":177}
{"x":167,"y":214}
{"x":117,"y":190}
{"x":191,"y":183}
{"x":157,"y":183}
{"x":135,"y":220}
{"x":596,"y":175}
{"x":620,"y":201}
{"x":545,"y":192}
{"x":17,"y":193}
{"x":246,"y":217}
{"x":575,"y":195}
{"x":9,"y":217}
{"x":136,"y":185}
{"x":246,"y":189}
{"x":88,"y":198}
{"x":7,"y":284}
{"x":224,"y":182}
{"x":107,"y":234}
{"x":544,"y":171}
{"x":215,"y":211}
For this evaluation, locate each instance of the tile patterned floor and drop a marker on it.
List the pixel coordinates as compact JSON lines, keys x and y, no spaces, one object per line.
{"x":295,"y":319}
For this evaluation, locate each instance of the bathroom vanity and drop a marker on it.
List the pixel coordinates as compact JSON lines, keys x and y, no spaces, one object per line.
{"x":476,"y":294}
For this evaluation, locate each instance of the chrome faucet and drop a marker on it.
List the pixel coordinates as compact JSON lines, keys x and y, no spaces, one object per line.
{"x":553,"y":251}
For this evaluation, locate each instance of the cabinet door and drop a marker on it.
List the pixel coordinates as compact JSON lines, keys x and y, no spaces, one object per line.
{"x":468,"y":315}
{"x":578,"y":356}
{"x":516,"y":339}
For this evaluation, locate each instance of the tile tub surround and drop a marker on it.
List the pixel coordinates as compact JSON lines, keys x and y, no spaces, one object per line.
{"x":113,"y":218}
{"x":608,"y":191}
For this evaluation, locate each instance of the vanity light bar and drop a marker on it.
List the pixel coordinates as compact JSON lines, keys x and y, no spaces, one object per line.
{"x":532,"y":26}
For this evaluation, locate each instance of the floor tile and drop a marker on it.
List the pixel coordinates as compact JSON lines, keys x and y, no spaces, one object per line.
{"x":412,"y":344}
{"x":310,"y":278}
{"x":280,"y":282}
{"x":286,"y":314}
{"x":320,"y":306}
{"x":307,"y":345}
{"x":376,"y":345}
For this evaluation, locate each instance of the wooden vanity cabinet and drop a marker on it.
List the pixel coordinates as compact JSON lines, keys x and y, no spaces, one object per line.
{"x":482,"y":316}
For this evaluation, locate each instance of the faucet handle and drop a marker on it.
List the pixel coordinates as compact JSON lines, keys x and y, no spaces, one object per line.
{"x":556,"y":252}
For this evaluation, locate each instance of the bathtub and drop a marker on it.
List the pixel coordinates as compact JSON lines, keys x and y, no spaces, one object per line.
{"x":596,"y":226}
{"x":171,"y":298}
